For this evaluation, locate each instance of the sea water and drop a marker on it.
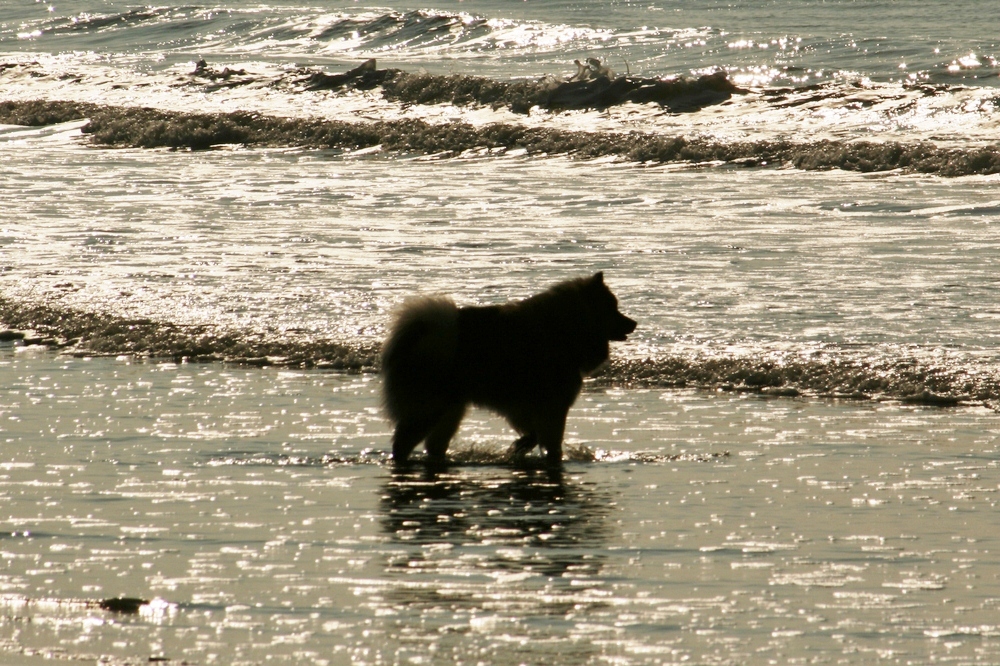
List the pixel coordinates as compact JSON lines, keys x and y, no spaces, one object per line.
{"x":254,"y":509}
{"x":792,"y":460}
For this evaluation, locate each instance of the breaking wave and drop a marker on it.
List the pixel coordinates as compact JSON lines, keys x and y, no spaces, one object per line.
{"x":100,"y":334}
{"x":150,"y":128}
{"x":520,"y":96}
{"x":301,"y":31}
{"x":832,"y":374}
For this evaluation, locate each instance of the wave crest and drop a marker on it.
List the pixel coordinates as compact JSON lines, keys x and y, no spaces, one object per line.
{"x":520,"y":96}
{"x":837,"y":374}
{"x":150,"y":128}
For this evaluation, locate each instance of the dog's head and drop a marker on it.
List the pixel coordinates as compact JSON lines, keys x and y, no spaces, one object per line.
{"x":613,"y":324}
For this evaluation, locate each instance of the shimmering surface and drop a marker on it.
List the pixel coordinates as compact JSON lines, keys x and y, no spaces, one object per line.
{"x":784,"y":40}
{"x":255,"y":507}
{"x":862,"y":70}
{"x":331,"y":243}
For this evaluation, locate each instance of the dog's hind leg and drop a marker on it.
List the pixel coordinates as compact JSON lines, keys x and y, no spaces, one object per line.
{"x":406,"y":437}
{"x":443,"y":431}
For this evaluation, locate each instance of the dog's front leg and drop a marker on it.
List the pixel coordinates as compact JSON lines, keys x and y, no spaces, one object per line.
{"x":550,"y":436}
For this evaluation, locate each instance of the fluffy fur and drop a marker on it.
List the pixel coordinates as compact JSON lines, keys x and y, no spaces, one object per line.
{"x":524,"y":360}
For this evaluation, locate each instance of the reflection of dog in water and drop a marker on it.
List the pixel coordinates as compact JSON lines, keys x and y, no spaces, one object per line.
{"x":524,"y":360}
{"x":565,"y":522}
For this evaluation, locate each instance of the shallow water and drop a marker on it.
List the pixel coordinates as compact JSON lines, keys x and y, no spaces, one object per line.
{"x":255,"y":506}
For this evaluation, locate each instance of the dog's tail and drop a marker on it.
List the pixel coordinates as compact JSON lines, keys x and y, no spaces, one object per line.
{"x":418,"y":358}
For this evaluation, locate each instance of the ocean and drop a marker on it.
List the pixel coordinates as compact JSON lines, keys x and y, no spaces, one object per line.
{"x":208,"y":214}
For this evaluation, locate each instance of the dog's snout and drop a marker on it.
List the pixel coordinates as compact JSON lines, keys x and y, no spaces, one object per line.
{"x":622,"y":328}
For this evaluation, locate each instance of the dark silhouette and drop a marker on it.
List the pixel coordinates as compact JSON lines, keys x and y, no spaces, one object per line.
{"x":524,"y":360}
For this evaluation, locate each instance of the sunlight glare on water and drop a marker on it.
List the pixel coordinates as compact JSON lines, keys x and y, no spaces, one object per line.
{"x":805,"y":208}
{"x":331,"y":244}
{"x":256,"y":507}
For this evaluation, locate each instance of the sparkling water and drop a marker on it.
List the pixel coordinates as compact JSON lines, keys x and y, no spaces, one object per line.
{"x":793,"y":459}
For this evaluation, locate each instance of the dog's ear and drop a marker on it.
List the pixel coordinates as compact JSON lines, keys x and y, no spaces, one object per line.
{"x":598,"y":277}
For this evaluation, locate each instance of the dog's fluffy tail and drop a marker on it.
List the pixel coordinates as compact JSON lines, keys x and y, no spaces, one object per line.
{"x":418,"y":358}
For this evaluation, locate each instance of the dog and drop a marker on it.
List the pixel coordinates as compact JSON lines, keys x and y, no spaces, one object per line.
{"x":524,"y":360}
